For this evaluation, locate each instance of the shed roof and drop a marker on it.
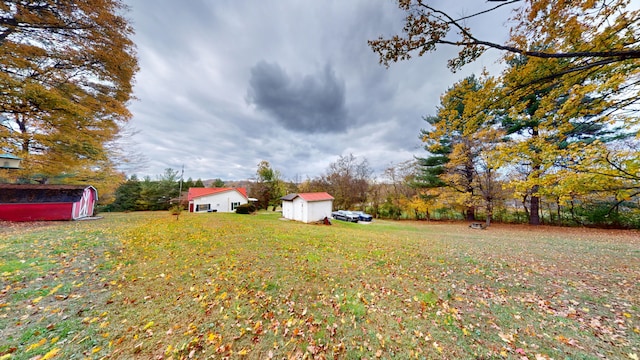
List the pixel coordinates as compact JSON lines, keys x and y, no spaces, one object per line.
{"x":315,"y":196}
{"x":9,"y":156}
{"x":29,"y":193}
{"x":198,"y":192}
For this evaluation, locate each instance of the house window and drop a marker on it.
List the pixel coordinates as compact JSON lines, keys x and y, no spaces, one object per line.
{"x":234,"y":205}
{"x":203,"y":207}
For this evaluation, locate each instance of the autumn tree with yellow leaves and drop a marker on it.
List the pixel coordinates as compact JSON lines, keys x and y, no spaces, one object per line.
{"x":66,"y":73}
{"x":459,"y":139}
{"x":569,"y":96}
{"x":569,"y":107}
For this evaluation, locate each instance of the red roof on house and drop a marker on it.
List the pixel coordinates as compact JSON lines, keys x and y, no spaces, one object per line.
{"x":198,"y":192}
{"x":315,"y":196}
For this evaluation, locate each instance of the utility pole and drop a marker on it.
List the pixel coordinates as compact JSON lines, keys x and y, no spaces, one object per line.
{"x":177,"y":210}
{"x":180,"y":187}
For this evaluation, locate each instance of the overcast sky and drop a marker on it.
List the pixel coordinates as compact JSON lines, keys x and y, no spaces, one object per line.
{"x":224,"y":84}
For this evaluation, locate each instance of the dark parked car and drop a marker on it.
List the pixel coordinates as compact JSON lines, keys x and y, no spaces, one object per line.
{"x":362,"y":216}
{"x":345,"y":215}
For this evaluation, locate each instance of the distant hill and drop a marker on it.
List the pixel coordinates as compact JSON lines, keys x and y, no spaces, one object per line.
{"x":230,"y":183}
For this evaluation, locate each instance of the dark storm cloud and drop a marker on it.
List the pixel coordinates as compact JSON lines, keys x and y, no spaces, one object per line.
{"x":309,"y":104}
{"x":225,"y":84}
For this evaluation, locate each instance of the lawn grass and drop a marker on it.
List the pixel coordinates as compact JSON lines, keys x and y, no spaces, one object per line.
{"x":145,"y":285}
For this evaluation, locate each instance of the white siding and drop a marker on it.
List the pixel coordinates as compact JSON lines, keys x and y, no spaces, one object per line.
{"x":318,"y":210}
{"x":220,"y":201}
{"x":301,"y":210}
{"x":287,"y":209}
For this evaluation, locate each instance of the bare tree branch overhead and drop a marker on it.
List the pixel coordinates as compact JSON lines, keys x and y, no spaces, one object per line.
{"x":588,"y":30}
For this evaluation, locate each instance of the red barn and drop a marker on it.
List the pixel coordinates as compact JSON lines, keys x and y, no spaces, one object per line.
{"x":46,"y":202}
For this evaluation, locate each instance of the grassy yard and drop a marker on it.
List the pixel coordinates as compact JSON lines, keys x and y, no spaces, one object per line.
{"x":148,"y":286}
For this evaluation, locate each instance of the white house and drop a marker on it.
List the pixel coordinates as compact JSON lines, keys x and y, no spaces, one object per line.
{"x":216,"y":199}
{"x":307,"y":207}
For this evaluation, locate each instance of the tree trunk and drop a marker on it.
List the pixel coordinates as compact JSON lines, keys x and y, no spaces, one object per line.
{"x":524,"y":206}
{"x":470,"y":213}
{"x":534,"y":212}
{"x":572,"y":210}
{"x":489,"y":213}
{"x":534,"y":216}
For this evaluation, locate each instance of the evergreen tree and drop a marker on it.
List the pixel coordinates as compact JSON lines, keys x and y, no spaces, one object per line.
{"x":455,"y":141}
{"x":188,"y":184}
{"x":127,"y":196}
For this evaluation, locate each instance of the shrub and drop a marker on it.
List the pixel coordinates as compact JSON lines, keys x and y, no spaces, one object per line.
{"x":608,"y":214}
{"x":389,"y":211}
{"x":248,"y":208}
{"x":175,"y":210}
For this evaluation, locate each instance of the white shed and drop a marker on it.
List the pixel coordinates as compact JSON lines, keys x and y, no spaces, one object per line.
{"x":216,"y":199}
{"x":307,"y":207}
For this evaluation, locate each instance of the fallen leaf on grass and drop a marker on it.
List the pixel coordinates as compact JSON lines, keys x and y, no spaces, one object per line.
{"x":508,"y":338}
{"x":51,"y":354}
{"x":36,"y":345}
{"x":542,"y":357}
{"x":55,"y":289}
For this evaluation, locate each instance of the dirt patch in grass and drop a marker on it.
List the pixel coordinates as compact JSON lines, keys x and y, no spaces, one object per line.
{"x":629,"y":236}
{"x":513,"y":230}
{"x":6,"y":226}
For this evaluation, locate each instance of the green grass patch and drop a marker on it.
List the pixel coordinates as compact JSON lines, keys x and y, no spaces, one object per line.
{"x":10,"y":266}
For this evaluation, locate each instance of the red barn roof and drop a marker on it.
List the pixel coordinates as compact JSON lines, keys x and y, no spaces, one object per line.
{"x":198,"y":192}
{"x":35,"y":193}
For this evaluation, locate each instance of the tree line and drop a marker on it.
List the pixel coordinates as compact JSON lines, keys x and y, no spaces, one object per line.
{"x":148,"y":195}
{"x":470,"y":187}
